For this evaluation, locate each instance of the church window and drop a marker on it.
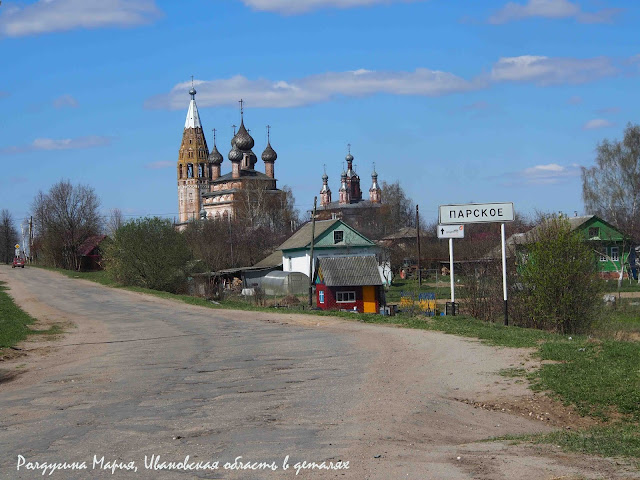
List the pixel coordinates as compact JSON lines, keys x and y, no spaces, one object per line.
{"x":189,"y":141}
{"x":190,"y":170}
{"x":201,"y":170}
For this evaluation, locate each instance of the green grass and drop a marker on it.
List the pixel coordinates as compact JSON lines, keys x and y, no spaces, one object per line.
{"x":620,"y":439}
{"x":489,"y":333}
{"x":600,"y":378}
{"x":14,"y":322}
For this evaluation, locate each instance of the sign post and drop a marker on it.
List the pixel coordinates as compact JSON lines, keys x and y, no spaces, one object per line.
{"x":504,"y":274}
{"x":451,"y":232}
{"x":480,"y":213}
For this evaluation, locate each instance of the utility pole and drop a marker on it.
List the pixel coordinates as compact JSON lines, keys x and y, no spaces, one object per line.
{"x":313,"y":235}
{"x":418,"y":239}
{"x":30,"y":238}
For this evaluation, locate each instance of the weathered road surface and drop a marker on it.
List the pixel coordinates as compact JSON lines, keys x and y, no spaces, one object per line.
{"x":138,"y":376}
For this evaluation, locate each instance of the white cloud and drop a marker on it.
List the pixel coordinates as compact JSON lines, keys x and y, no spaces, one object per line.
{"x":550,"y":71}
{"x":548,"y":173}
{"x":323,"y":87}
{"x":159,"y":165}
{"x":47,"y":16}
{"x":65,"y":101}
{"x":597,"y":123}
{"x":553,"y":9}
{"x":59,"y":144}
{"x":293,"y":7}
{"x":314,"y":89}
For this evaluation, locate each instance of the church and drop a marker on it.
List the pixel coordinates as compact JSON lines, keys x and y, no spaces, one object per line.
{"x":351,"y":207}
{"x":203,"y":192}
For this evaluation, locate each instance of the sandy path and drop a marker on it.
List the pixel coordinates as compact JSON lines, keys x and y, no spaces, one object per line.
{"x":211,"y":383}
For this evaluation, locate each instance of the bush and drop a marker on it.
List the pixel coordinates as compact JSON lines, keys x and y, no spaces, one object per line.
{"x":148,"y":253}
{"x":561,"y":290}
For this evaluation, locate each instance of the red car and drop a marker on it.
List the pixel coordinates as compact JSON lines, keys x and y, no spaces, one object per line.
{"x":18,"y":262}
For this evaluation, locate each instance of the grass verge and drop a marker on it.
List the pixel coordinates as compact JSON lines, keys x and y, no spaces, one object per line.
{"x":14,"y":322}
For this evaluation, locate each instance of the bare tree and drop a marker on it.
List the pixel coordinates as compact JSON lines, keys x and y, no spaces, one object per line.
{"x":611,"y":188}
{"x":115,"y":221}
{"x":65,"y":217}
{"x":8,"y":236}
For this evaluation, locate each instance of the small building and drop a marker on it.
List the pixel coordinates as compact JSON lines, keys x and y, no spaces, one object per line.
{"x":348,"y":282}
{"x":90,"y":253}
{"x":611,"y":247}
{"x":331,"y":238}
{"x":285,"y":283}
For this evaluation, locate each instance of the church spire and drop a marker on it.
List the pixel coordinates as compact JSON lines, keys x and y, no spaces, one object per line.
{"x":193,"y":117}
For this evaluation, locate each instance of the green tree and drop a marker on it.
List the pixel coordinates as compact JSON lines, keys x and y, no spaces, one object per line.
{"x":149,"y":253}
{"x":560,"y":283}
{"x":611,"y":188}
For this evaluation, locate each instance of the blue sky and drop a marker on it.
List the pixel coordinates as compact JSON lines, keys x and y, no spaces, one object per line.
{"x":462,"y":101}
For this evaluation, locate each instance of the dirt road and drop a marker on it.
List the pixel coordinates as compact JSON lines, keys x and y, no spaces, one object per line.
{"x":137,"y":376}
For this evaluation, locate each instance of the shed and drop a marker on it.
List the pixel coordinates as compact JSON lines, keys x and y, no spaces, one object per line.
{"x":285,"y":283}
{"x":348,"y":283}
{"x":90,"y":253}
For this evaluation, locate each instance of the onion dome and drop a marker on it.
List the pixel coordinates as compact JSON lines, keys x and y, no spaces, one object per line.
{"x":215,"y":156}
{"x":325,"y":177}
{"x":192,"y":92}
{"x":235,"y":155}
{"x":243,"y":140}
{"x":253,"y":159}
{"x":349,"y":157}
{"x":343,"y":181}
{"x":269,"y":155}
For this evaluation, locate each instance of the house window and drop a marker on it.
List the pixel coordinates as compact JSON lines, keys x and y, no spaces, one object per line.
{"x":345,"y":297}
{"x":614,"y":254}
{"x":338,"y":236}
{"x":321,"y":296}
{"x":603,"y":256}
{"x":190,"y":170}
{"x":594,"y":232}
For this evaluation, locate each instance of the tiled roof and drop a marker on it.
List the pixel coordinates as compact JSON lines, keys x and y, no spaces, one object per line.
{"x":349,"y":271}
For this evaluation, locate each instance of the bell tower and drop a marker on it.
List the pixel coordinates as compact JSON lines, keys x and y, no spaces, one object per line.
{"x":193,"y":175}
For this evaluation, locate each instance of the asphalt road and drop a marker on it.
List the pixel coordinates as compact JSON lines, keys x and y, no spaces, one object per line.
{"x":136,"y":377}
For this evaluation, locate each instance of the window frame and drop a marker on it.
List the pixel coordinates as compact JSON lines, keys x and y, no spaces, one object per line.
{"x":321,"y":296}
{"x":603,"y":255}
{"x":615,"y":257}
{"x":349,"y":293}
{"x":341,"y":232}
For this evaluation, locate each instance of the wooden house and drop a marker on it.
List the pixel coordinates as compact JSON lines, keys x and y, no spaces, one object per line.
{"x":348,"y":283}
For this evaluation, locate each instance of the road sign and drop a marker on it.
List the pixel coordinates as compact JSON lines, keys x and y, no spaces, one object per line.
{"x":450,"y":231}
{"x":476,"y":213}
{"x":17,"y":246}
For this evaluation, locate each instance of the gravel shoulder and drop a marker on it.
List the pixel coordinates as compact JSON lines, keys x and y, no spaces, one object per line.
{"x":135,"y":374}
